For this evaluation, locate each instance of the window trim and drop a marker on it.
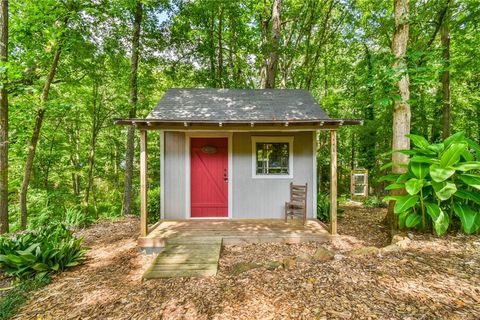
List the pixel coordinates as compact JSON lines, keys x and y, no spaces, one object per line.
{"x":272,"y":139}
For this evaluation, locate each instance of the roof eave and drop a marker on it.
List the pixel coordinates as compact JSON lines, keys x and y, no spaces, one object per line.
{"x":252,"y":123}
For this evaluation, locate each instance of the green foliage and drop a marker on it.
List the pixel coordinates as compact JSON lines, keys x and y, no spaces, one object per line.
{"x":323,"y":208}
{"x":440,"y":183}
{"x":48,"y":249}
{"x":75,"y":217}
{"x":17,"y":296}
{"x":153,"y":205}
{"x":374,"y":202}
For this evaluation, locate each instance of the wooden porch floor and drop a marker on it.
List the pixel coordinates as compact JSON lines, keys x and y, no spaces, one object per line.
{"x":192,"y":247}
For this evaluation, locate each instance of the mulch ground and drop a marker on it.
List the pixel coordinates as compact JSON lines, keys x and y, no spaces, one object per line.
{"x":431,"y":278}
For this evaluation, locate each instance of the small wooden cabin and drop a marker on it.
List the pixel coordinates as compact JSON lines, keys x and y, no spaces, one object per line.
{"x":232,"y":153}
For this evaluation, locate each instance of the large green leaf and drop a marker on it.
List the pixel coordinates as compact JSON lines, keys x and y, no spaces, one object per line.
{"x":472,"y":144}
{"x":452,"y":155}
{"x":404,"y":177}
{"x":419,"y":169}
{"x":468,"y":195}
{"x":401,"y":219}
{"x":439,"y":173}
{"x":395,"y":186}
{"x":467,"y":166}
{"x":470,"y":218}
{"x":423,"y":159}
{"x":412,"y":220}
{"x":466,"y":155}
{"x":437,"y":147}
{"x":404,"y":203}
{"x":419,"y":141}
{"x":444,"y":190}
{"x":414,"y":185}
{"x":439,"y":218}
{"x":459,"y":136}
{"x":473,"y":180}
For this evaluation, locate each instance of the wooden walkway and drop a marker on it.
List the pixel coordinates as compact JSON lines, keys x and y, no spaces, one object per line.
{"x":191,"y":248}
{"x":192,"y":258}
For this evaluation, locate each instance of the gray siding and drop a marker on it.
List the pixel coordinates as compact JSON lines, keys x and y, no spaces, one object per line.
{"x":265,"y":198}
{"x":174,"y":189}
{"x":253,"y":198}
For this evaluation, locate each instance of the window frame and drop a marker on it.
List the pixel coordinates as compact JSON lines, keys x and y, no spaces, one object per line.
{"x":272,"y":139}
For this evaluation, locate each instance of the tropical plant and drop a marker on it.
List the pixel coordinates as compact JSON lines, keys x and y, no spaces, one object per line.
{"x":48,"y":249}
{"x":442,"y":183}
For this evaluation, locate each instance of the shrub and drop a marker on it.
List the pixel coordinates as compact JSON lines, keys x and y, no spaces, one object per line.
{"x":374,"y":202}
{"x":442,"y":183}
{"x":75,"y":217}
{"x":48,"y":249}
{"x":153,"y":205}
{"x":323,"y":208}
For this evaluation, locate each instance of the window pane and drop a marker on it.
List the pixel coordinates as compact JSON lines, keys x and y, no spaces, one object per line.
{"x":272,"y":158}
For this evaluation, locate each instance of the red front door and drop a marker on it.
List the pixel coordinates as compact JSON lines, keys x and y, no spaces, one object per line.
{"x":209,"y":177}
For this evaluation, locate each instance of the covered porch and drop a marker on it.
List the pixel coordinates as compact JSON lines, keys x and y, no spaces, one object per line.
{"x":232,"y":232}
{"x":192,"y":248}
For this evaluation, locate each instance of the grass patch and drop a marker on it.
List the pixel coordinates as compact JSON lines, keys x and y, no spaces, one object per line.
{"x":14,"y":298}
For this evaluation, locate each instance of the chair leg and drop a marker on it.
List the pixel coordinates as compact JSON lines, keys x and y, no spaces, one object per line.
{"x":285,"y":212}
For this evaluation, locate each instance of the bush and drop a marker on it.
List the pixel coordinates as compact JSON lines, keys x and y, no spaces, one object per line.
{"x":39,"y":252}
{"x":323,"y":208}
{"x":75,"y":217}
{"x":374,"y":202}
{"x":442,"y":183}
{"x":154,"y":205}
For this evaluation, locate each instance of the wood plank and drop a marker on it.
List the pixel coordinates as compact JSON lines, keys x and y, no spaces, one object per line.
{"x":179,"y":273}
{"x":143,"y":183}
{"x":333,"y":182}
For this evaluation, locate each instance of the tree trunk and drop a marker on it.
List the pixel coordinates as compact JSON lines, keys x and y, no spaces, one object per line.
{"x":211,"y":48}
{"x":271,"y":71}
{"x":220,"y":47}
{"x":32,"y":147}
{"x":127,"y":194}
{"x":93,"y":142}
{"x":445,"y":79}
{"x":401,"y":108}
{"x":3,"y":119}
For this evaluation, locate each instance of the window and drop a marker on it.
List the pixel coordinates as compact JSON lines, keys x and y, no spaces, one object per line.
{"x":272,"y":157}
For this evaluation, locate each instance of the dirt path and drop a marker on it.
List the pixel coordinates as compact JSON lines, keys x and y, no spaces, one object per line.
{"x":431,"y":279}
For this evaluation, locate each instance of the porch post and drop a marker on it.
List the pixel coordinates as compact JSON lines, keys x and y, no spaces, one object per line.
{"x":143,"y":183}
{"x":333,"y":182}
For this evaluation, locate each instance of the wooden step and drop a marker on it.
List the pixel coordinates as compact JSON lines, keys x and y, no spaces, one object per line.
{"x":189,"y":257}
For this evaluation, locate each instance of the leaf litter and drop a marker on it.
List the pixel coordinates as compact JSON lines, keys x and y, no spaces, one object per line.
{"x":430,"y":278}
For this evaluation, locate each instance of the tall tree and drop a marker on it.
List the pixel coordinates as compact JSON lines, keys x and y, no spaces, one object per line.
{"x":445,"y":78}
{"x":401,"y":107}
{"x":271,"y":64}
{"x":32,"y":147}
{"x":127,"y":193}
{"x":3,"y":118}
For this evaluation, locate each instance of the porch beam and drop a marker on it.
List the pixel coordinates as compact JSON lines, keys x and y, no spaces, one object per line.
{"x":333,"y":182}
{"x":143,"y":183}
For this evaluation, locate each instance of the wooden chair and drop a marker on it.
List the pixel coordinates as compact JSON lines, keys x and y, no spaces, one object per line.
{"x":297,"y":206}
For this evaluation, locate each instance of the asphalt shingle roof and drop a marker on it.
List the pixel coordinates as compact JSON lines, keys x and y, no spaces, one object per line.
{"x":237,"y":105}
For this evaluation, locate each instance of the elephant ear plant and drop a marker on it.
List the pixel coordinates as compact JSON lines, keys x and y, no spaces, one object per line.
{"x":442,"y":183}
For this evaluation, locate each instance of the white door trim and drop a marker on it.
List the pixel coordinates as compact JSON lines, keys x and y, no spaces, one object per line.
{"x":188,"y":136}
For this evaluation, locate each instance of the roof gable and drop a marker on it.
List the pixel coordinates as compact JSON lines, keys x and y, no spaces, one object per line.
{"x":237,"y":105}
